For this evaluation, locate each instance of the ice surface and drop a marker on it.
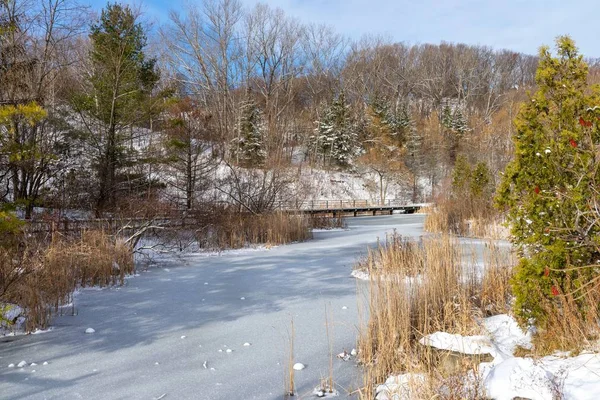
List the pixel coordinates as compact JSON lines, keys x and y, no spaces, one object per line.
{"x":142,"y":322}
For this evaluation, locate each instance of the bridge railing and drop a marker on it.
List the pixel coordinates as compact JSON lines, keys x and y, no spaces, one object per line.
{"x":337,"y":204}
{"x":180,"y":218}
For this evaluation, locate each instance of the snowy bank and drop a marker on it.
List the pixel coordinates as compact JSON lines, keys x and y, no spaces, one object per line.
{"x":508,"y":377}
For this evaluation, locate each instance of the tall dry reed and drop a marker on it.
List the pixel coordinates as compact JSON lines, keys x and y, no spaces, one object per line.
{"x":40,"y":277}
{"x":237,"y":230}
{"x":420,"y":287}
{"x":453,"y":217}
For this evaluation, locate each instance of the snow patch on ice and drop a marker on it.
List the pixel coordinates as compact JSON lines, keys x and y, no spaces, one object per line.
{"x":459,"y":343}
{"x":400,"y":387}
{"x":299,"y":366}
{"x":360,"y":274}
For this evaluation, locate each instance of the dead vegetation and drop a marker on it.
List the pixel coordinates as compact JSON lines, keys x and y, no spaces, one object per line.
{"x":451,"y":216}
{"x":40,"y":277}
{"x":231,"y":230}
{"x":420,"y":287}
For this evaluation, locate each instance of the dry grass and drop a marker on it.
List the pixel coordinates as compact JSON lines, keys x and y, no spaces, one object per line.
{"x":232,"y":230}
{"x":452,"y":216}
{"x":417,"y":288}
{"x":40,"y":277}
{"x":325,"y":222}
{"x":572,"y":323}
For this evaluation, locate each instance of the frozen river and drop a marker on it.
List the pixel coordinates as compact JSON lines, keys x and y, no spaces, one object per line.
{"x":154,"y":336}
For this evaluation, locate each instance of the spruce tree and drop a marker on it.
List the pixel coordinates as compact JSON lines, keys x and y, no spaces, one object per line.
{"x":458,"y":122}
{"x":550,"y":188}
{"x":336,"y":134}
{"x":446,"y":118}
{"x":248,"y":148}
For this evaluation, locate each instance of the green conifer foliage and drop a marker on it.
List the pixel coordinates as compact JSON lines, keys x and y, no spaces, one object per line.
{"x":119,"y":94}
{"x":549,"y":189}
{"x":336,"y":134}
{"x":248,"y":147}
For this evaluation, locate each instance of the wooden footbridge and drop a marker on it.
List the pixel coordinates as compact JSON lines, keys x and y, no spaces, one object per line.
{"x":326,"y":208}
{"x":338,"y":208}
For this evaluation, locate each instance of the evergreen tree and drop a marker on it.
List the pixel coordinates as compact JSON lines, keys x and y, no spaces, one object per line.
{"x":480,"y":181}
{"x":550,"y":188}
{"x":455,"y":125}
{"x":401,"y":124}
{"x":118,"y":95}
{"x":459,"y":123}
{"x":446,"y":118}
{"x":248,"y":147}
{"x":336,"y":134}
{"x":461,"y":178}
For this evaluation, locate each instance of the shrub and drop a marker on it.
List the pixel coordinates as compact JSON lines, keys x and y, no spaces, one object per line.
{"x":550,"y":189}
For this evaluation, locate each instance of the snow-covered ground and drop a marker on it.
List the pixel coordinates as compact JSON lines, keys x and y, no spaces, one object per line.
{"x":198,"y":327}
{"x":508,"y":377}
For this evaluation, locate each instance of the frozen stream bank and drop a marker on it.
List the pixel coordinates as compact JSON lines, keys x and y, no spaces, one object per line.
{"x":167,"y":332}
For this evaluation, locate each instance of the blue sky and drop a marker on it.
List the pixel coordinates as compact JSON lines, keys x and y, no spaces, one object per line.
{"x":521,"y":25}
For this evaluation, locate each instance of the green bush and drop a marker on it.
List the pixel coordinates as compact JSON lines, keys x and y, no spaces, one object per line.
{"x":549,"y":190}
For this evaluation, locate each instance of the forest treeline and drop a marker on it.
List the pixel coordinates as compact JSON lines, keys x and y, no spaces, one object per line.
{"x":221,"y":101}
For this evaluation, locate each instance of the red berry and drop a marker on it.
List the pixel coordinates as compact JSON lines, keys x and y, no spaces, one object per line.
{"x":555,"y":291}
{"x":546,"y":271}
{"x":537,"y":190}
{"x":573,"y":143}
{"x":583,"y":122}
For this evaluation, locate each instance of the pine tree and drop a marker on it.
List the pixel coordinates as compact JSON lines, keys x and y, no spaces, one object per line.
{"x":118,"y":96}
{"x":446,"y":118}
{"x":336,"y":134}
{"x":550,"y":188}
{"x":459,"y":123}
{"x":402,"y":124}
{"x":248,"y":148}
{"x":480,"y":181}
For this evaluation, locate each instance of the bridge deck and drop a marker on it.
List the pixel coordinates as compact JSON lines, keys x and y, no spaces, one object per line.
{"x":315,"y":207}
